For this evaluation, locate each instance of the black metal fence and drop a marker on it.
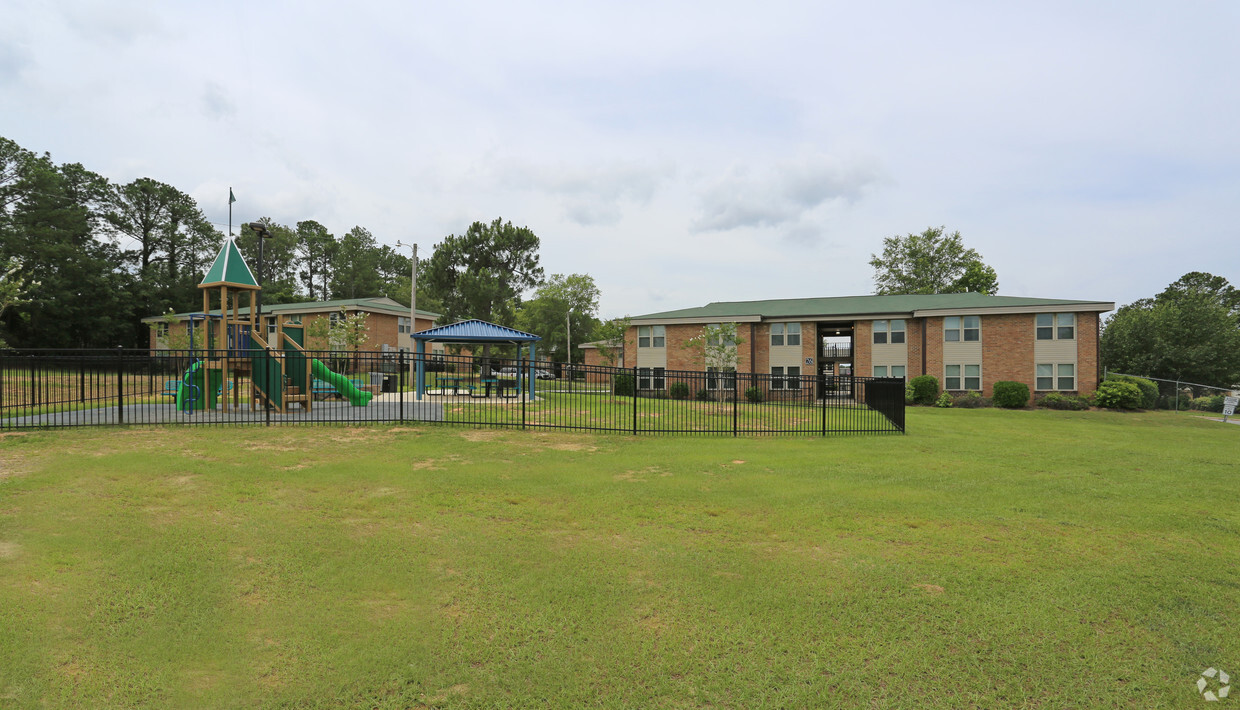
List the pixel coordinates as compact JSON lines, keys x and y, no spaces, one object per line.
{"x":46,"y":388}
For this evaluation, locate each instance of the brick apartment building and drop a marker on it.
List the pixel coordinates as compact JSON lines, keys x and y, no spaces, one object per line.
{"x":387,"y":322}
{"x":968,"y":341}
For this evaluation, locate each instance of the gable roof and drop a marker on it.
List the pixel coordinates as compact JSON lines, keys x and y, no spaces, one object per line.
{"x":229,"y":269}
{"x":475,"y":331}
{"x":908,"y":305}
{"x":380,"y":304}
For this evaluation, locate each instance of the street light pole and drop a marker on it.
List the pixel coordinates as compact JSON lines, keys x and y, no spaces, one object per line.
{"x":413,"y":309}
{"x":261,"y":230}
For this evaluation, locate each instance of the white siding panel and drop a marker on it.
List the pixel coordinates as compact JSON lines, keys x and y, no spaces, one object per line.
{"x":1054,"y":351}
{"x":962,"y":353}
{"x":889,"y":354}
{"x":652,"y":357}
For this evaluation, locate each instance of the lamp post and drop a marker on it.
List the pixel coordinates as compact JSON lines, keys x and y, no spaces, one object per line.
{"x":413,"y":309}
{"x":261,"y":230}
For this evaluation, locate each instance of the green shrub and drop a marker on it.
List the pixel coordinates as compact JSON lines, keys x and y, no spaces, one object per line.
{"x":925,"y":389}
{"x":1208,"y":403}
{"x":704,"y":396}
{"x":944,"y":401}
{"x":1149,"y":390}
{"x":1054,"y":400}
{"x":1011,"y":395}
{"x":1113,"y":394}
{"x":908,"y":393}
{"x":678,"y":390}
{"x":754,"y":395}
{"x":971,"y":400}
{"x":1167,"y":401}
{"x":622,"y":385}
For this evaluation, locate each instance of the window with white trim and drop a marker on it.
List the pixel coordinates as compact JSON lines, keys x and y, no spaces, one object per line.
{"x":895,"y":371}
{"x":1056,"y":376}
{"x":651,"y":336}
{"x":880,"y":370}
{"x":1056,"y":326}
{"x":898,"y":371}
{"x":161,"y":330}
{"x":402,"y":324}
{"x":888,"y":331}
{"x":962,"y":377}
{"x":785,"y":334}
{"x":720,"y":378}
{"x":650,"y":378}
{"x":962,"y":328}
{"x":786,"y":378}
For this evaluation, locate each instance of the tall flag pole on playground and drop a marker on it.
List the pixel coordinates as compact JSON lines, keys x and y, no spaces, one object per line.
{"x":231,"y":199}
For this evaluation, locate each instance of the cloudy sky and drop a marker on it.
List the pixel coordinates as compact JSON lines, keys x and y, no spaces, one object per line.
{"x":680,"y":153}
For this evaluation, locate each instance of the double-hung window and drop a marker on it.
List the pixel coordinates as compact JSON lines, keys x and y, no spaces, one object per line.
{"x":785,"y":334}
{"x":720,"y":378}
{"x":786,"y":378}
{"x":650,"y":378}
{"x":962,"y":329}
{"x":651,"y":336}
{"x":1056,"y":326}
{"x":962,"y":377}
{"x":1056,"y":376}
{"x":896,"y":371}
{"x":888,"y":331}
{"x":402,"y":324}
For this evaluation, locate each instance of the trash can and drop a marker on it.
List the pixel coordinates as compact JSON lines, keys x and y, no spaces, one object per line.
{"x":382,"y":382}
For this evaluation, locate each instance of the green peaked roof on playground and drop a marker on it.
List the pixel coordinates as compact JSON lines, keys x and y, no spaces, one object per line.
{"x":861,"y":305}
{"x":229,"y":268}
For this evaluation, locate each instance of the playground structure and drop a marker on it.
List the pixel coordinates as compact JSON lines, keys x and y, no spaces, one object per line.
{"x":281,"y":374}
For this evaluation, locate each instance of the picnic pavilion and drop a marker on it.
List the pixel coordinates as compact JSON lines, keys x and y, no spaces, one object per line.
{"x":475,"y":332}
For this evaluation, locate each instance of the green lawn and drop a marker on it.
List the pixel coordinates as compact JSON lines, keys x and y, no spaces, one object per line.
{"x":987,"y":559}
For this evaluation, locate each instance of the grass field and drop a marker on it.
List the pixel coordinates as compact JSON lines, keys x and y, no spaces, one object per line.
{"x":987,"y":559}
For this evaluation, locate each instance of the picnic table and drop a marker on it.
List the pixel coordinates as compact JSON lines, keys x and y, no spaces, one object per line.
{"x":456,"y":384}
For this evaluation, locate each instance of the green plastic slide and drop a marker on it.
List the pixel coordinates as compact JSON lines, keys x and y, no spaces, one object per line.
{"x":356,"y":397}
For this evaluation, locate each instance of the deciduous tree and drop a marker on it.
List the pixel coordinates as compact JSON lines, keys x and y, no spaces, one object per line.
{"x":931,"y":262}
{"x":1185,"y":333}
{"x":558,"y":303}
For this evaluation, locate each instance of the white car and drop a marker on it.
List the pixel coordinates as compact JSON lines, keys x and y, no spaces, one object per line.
{"x":538,"y":374}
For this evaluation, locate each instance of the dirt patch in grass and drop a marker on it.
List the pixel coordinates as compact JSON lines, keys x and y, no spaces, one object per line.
{"x":932,"y":589}
{"x":9,"y":550}
{"x":481,"y":435}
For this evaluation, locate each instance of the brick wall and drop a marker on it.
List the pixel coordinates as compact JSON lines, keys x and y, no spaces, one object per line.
{"x":863,"y":348}
{"x":1087,"y":327}
{"x":1007,"y":350}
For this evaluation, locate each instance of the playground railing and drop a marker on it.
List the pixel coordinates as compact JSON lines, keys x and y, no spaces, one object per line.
{"x":195,"y":387}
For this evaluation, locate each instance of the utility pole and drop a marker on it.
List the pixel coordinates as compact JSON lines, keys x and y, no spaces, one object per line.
{"x":413,"y":312}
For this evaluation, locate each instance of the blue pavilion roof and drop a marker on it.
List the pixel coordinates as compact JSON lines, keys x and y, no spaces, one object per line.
{"x":475,"y":331}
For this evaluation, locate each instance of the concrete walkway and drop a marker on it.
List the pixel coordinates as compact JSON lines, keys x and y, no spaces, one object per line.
{"x":380,"y":409}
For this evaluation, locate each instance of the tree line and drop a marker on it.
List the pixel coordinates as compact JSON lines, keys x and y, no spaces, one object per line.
{"x":83,"y":260}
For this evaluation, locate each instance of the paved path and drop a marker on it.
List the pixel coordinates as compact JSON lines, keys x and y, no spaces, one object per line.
{"x":379,"y":410}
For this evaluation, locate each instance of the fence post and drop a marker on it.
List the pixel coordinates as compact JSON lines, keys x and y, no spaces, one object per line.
{"x":120,"y":386}
{"x":822,"y":389}
{"x":735,"y":401}
{"x":400,"y":383}
{"x":634,"y":391}
{"x":34,"y":381}
{"x":523,"y":373}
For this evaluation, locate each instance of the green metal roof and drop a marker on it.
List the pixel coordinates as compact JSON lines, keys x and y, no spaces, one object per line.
{"x":860,"y":305}
{"x":229,"y":267}
{"x":383,"y":304}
